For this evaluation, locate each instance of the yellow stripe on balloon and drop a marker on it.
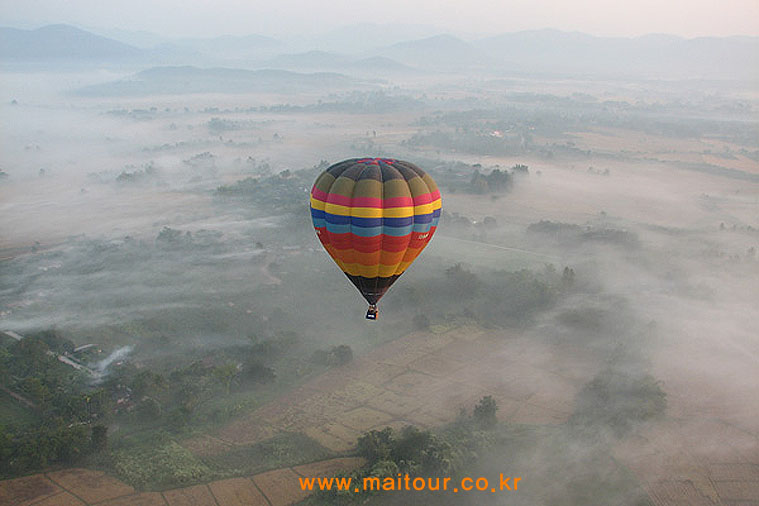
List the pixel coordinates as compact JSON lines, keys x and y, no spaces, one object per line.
{"x":369,"y":212}
{"x":375,"y":212}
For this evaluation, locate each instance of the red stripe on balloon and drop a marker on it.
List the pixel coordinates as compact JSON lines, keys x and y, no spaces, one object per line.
{"x":334,"y":198}
{"x":382,"y":242}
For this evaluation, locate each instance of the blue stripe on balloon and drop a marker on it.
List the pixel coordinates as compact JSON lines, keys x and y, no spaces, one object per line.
{"x":368,"y":222}
{"x":336,"y":228}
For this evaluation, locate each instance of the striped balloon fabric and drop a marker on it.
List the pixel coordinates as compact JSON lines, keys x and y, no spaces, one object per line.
{"x":374,"y":216}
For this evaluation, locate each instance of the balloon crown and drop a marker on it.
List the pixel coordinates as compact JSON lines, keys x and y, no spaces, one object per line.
{"x":376,"y":161}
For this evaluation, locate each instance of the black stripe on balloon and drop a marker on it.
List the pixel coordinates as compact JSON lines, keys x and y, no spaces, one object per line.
{"x":372,"y":288}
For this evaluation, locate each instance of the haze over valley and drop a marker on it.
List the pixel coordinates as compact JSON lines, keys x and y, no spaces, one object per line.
{"x":585,"y":316}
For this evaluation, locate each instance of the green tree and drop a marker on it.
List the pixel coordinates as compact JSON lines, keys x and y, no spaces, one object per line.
{"x":148,"y":383}
{"x":149,"y":409}
{"x":463,"y":280}
{"x":342,"y":354}
{"x":226,"y":374}
{"x":520,"y":168}
{"x":484,"y":412}
{"x":99,"y":437}
{"x":376,"y":445}
{"x":567,"y":278}
{"x":259,"y":373}
{"x":36,"y":390}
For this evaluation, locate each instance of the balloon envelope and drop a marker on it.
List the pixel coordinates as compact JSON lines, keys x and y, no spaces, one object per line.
{"x":374,"y":216}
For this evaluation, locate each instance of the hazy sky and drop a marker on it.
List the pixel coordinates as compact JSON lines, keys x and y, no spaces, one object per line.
{"x":688,"y":18}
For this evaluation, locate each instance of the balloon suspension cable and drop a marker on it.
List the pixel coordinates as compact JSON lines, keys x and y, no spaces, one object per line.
{"x":371,"y":313}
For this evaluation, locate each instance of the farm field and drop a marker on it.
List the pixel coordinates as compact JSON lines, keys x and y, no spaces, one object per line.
{"x":82,"y":486}
{"x":423,"y":379}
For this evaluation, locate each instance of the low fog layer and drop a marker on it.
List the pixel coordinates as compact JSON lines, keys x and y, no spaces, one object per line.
{"x":585,"y":316}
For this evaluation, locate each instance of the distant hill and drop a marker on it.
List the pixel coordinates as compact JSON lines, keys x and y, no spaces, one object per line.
{"x":361,"y":37}
{"x":380,"y":64}
{"x":439,"y":52}
{"x":68,"y":43}
{"x":647,"y":56}
{"x":138,"y":38}
{"x":61,"y":42}
{"x":188,"y":79}
{"x":310,"y":59}
{"x":375,"y":66}
{"x":536,"y":51}
{"x":230,"y":47}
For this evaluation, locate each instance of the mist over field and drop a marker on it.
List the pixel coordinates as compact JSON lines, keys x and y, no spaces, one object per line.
{"x":584,"y":318}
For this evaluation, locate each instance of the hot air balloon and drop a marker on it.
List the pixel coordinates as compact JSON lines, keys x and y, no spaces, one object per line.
{"x":374,"y":216}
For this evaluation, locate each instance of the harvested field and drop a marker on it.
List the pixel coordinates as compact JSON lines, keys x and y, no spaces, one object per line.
{"x":423,"y":379}
{"x":330,"y":467}
{"x":734,"y":472}
{"x":237,"y":492}
{"x":363,"y":418}
{"x":327,"y":439}
{"x":90,"y":486}
{"x":737,"y":490}
{"x":143,"y":499}
{"x":390,"y":402}
{"x":688,"y":460}
{"x":27,"y":490}
{"x":677,"y":493}
{"x":273,"y":488}
{"x":281,"y":487}
{"x":63,"y":499}
{"x":199,"y":495}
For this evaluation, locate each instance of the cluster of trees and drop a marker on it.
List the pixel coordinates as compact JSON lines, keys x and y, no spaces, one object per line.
{"x":171,"y":239}
{"x":476,"y":141}
{"x":465,"y":178}
{"x":420,"y":453}
{"x":551,"y":116}
{"x":148,"y":172}
{"x":507,"y":298}
{"x":354,"y":102}
{"x":176,"y":396}
{"x":284,"y":191}
{"x":53,"y":441}
{"x":463,"y":224}
{"x":570,"y":233}
{"x":617,"y":401}
{"x":30,"y":368}
{"x":496,"y":181}
{"x":218,"y":126}
{"x":70,"y":414}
